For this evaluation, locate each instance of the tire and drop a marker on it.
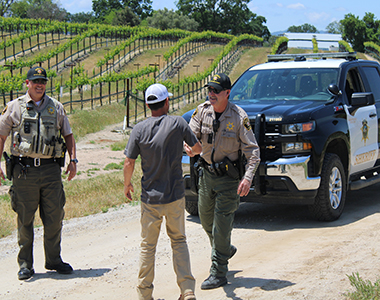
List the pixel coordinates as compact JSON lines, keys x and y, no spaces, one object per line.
{"x":331,"y":196}
{"x":191,"y":206}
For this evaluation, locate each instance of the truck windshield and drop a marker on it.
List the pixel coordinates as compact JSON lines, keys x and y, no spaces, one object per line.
{"x":285,"y":84}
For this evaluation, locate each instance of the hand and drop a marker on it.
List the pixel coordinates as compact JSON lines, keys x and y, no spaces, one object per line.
{"x":72,"y":170}
{"x":243,"y":188}
{"x":188,"y":150}
{"x":127,"y":191}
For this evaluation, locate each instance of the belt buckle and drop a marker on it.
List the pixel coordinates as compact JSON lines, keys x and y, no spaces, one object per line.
{"x":37,"y":162}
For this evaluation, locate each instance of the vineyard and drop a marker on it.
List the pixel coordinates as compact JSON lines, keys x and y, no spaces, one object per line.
{"x":91,"y":64}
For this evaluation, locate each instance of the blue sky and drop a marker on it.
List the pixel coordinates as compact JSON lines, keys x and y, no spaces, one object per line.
{"x":279,"y":14}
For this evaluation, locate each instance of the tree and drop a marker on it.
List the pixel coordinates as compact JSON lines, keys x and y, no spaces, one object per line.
{"x":166,"y":19}
{"x":38,"y":9}
{"x":102,"y":8}
{"x":357,"y":31}
{"x":126,"y":17}
{"x":305,"y":28}
{"x":229,"y":16}
{"x":334,"y":28}
{"x":5,"y":7}
{"x":372,"y":27}
{"x":142,"y":8}
{"x":19,"y":9}
{"x":81,"y":17}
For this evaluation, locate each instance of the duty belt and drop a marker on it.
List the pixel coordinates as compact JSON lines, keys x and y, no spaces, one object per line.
{"x":33,"y":162}
{"x":207,"y":166}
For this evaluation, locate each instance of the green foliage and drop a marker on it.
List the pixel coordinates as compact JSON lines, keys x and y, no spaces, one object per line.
{"x":373,"y":48}
{"x":114,"y":166}
{"x":334,"y":27}
{"x":365,"y":290}
{"x":125,"y":16}
{"x":356,"y":31}
{"x":315,"y":45}
{"x":278,"y":44}
{"x":166,"y":19}
{"x":346,"y":46}
{"x":233,"y":17}
{"x":306,"y":28}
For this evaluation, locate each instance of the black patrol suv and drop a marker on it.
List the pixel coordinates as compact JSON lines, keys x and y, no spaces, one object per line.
{"x":316,"y":118}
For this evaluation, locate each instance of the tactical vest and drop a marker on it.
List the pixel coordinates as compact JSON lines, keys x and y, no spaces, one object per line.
{"x":37,"y":136}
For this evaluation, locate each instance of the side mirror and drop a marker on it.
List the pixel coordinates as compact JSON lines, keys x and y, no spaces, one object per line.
{"x":362,"y":99}
{"x":334,"y":90}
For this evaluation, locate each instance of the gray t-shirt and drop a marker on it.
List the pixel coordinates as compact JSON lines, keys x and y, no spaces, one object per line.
{"x":159,"y":142}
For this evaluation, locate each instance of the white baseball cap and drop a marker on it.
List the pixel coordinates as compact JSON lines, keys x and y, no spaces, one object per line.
{"x":159,"y":91}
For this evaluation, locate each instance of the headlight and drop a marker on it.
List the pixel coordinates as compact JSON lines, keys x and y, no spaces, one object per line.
{"x":295,"y":147}
{"x":299,"y":127}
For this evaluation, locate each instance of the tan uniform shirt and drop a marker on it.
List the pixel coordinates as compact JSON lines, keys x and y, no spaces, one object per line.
{"x":234,"y":133}
{"x":11,"y":115}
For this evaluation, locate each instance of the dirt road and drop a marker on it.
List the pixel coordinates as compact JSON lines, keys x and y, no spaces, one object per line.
{"x":282,"y":254}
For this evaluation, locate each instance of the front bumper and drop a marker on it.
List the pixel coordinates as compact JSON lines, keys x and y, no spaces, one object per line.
{"x":286,"y":180}
{"x":294,"y":169}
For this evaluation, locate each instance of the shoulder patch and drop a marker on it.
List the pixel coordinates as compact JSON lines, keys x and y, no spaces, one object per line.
{"x":246,"y":124}
{"x":4,"y":110}
{"x":195,"y":112}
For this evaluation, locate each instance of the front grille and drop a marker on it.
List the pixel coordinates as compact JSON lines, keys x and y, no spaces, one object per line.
{"x":269,"y":148}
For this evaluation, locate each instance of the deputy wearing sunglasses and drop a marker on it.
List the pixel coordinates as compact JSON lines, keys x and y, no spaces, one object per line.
{"x":38,"y":127}
{"x":224,"y":130}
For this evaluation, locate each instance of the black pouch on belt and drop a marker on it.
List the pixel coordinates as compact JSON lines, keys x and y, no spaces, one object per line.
{"x":229,"y":168}
{"x":8,"y":165}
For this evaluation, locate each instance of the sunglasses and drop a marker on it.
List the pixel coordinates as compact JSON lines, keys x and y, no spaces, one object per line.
{"x":215,"y":91}
{"x":39,"y":81}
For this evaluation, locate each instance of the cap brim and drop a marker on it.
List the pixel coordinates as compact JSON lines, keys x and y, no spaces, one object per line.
{"x":215,"y":86}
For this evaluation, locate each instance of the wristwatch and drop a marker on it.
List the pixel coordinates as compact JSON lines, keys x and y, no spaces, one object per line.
{"x":74,"y":160}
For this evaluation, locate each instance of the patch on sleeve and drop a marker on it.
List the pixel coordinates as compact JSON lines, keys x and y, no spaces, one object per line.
{"x":4,"y":110}
{"x":195,"y":112}
{"x":246,"y":124}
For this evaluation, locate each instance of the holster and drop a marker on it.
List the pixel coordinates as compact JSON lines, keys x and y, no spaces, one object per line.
{"x":9,"y":164}
{"x":230,"y":168}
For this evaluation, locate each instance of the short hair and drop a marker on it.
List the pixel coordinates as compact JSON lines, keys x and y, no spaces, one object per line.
{"x":156,"y":106}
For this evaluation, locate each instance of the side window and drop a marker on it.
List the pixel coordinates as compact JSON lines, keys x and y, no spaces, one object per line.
{"x":354,"y":83}
{"x":373,"y":78}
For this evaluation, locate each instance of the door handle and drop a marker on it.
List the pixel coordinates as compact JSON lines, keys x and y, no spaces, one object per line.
{"x":372,"y":115}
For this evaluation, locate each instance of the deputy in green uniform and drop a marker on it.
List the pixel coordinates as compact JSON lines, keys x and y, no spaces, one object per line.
{"x":38,"y":127}
{"x":224,"y":130}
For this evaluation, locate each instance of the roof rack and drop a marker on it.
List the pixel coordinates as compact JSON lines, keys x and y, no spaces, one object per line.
{"x":304,"y":56}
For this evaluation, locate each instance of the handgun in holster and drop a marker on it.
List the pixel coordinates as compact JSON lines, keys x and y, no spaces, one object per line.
{"x":230,"y":168}
{"x":8,"y":165}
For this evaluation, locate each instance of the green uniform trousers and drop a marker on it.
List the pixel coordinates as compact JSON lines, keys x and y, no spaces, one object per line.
{"x":151,"y":219}
{"x":40,"y":187}
{"x":217,"y":203}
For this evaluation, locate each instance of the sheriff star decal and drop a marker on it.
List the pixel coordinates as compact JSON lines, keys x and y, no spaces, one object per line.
{"x":365,"y":129}
{"x":50,"y":110}
{"x":230,"y":126}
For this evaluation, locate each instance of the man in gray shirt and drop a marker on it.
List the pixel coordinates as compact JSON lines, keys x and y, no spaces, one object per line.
{"x":159,"y":141}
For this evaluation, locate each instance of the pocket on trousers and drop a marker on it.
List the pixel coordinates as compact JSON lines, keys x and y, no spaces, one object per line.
{"x":13,"y":198}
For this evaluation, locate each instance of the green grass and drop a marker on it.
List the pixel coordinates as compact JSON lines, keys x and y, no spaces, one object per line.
{"x":364,"y":289}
